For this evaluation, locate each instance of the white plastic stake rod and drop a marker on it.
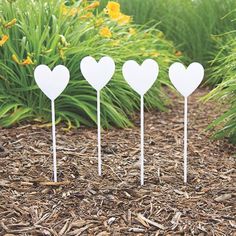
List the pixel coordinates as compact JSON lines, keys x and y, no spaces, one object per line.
{"x":52,"y":83}
{"x":141,"y":78}
{"x":54,"y":142}
{"x":99,"y":134}
{"x":185,"y":138}
{"x":142,"y":140}
{"x":98,"y":74}
{"x":186,"y":81}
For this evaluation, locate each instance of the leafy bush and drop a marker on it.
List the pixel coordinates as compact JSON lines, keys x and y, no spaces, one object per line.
{"x":190,"y":24}
{"x":50,"y":32}
{"x":224,"y":69}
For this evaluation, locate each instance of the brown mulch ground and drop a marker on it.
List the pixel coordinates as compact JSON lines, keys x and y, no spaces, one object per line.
{"x":115,"y":204}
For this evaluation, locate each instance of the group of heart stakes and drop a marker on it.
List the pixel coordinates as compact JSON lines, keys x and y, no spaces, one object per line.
{"x":139,"y":77}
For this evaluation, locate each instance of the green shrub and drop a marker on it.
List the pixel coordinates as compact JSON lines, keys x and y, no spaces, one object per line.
{"x":224,"y":69}
{"x":190,"y":24}
{"x":48,"y":32}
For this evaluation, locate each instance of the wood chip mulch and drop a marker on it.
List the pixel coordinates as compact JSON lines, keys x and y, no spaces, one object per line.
{"x":83,"y":203}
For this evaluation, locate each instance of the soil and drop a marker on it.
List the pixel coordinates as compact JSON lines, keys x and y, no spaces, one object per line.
{"x":83,"y":203}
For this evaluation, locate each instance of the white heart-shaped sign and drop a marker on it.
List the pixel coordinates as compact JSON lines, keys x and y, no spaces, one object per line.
{"x":98,"y":74}
{"x":186,"y":80}
{"x":52,"y":83}
{"x":140,"y":77}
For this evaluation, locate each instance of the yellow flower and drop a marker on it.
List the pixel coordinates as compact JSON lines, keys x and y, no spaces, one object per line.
{"x":92,"y":5}
{"x":4,"y":39}
{"x":15,"y":59}
{"x":11,"y":23}
{"x":87,"y":16}
{"x":178,"y":53}
{"x":63,"y":9}
{"x":63,"y":40}
{"x":113,"y":6}
{"x":113,"y":10}
{"x":68,"y":11}
{"x":132,"y":31}
{"x":105,"y":32}
{"x":27,"y":61}
{"x":73,"y":11}
{"x":123,"y":19}
{"x":62,"y":53}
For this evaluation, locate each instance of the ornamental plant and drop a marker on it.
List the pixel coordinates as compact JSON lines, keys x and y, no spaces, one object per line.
{"x":223,"y":72}
{"x":189,"y":23}
{"x":55,"y":32}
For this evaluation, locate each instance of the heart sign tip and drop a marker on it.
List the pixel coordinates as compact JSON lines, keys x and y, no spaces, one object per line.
{"x":140,"y":77}
{"x":98,"y":74}
{"x":52,"y":83}
{"x":186,"y":80}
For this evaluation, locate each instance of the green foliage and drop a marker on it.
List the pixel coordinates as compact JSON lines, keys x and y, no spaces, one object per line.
{"x":190,"y":24}
{"x":199,"y":28}
{"x":224,"y":69}
{"x":45,"y":34}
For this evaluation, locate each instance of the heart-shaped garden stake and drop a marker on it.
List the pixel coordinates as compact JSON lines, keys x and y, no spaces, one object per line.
{"x":186,"y":81}
{"x":52,"y":83}
{"x":141,"y":78}
{"x":98,"y":74}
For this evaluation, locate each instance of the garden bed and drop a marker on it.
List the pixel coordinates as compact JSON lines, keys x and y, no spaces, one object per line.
{"x":85,"y":204}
